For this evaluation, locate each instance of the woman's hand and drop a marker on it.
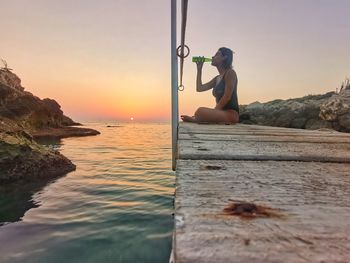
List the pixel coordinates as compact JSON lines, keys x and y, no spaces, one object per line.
{"x":200,"y":64}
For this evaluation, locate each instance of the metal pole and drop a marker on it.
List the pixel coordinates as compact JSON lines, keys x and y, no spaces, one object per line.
{"x":174,"y":86}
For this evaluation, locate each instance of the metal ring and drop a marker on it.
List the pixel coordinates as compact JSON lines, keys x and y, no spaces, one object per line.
{"x":178,"y":50}
{"x":181,"y":88}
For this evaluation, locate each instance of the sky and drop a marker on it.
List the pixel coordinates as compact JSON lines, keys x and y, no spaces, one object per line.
{"x":110,"y":59}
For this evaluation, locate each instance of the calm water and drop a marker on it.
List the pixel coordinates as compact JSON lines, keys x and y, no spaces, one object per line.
{"x":116,"y":207}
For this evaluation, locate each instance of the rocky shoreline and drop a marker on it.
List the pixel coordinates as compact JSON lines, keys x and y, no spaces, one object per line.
{"x":64,"y":132}
{"x":23,"y":119}
{"x":23,"y":158}
{"x":325,"y":111}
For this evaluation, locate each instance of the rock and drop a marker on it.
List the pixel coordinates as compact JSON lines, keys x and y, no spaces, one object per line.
{"x":337,"y":110}
{"x":10,"y":79}
{"x":23,"y":117}
{"x":56,"y":111}
{"x":326,"y":111}
{"x":298,"y":123}
{"x":344,"y":122}
{"x":332,"y":109}
{"x":292,"y":113}
{"x":23,"y":158}
{"x":59,"y":133}
{"x":255,"y":106}
{"x":30,"y":111}
{"x":53,"y":106}
{"x":316,"y":124}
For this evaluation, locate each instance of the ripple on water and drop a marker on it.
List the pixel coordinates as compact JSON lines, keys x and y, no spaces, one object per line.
{"x":116,"y":207}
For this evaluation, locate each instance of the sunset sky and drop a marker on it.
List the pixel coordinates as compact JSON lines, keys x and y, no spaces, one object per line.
{"x":110,"y":59}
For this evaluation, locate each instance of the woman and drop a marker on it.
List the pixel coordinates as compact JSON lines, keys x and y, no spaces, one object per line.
{"x":224,"y":90}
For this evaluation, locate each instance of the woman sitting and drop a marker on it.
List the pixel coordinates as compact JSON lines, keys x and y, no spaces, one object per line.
{"x":224,"y":90}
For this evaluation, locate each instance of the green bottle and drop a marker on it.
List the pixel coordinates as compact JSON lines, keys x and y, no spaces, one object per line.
{"x":201,"y":59}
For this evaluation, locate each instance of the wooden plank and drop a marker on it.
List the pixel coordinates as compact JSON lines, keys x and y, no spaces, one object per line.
{"x":263,"y":133}
{"x":264,"y":138}
{"x":216,"y":127}
{"x":242,"y":129}
{"x":313,"y":198}
{"x":259,"y":150}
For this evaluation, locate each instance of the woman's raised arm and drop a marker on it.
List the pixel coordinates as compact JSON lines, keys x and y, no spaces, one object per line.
{"x":203,"y":87}
{"x":207,"y":86}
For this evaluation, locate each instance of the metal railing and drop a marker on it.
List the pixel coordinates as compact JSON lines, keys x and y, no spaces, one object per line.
{"x":174,"y":87}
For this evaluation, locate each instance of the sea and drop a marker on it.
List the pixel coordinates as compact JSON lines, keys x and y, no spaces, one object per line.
{"x":116,"y":207}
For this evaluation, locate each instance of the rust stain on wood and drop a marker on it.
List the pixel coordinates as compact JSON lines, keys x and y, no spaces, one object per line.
{"x":256,"y":193}
{"x":247,"y":210}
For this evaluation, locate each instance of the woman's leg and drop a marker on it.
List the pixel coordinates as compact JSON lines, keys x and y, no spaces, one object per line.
{"x":216,"y":116}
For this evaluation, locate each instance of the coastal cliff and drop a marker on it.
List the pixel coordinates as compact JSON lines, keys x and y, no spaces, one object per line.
{"x":23,"y":118}
{"x":32,"y":113}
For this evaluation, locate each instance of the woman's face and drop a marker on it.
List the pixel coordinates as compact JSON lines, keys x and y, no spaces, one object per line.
{"x":217,"y":59}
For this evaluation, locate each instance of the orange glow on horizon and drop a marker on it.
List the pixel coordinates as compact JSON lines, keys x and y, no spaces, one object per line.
{"x":107,"y":99}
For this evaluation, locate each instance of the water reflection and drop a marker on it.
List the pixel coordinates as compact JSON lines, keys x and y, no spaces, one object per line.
{"x":116,"y":207}
{"x":17,"y":198}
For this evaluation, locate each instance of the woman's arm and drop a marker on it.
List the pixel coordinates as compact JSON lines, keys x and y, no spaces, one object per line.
{"x":203,"y":87}
{"x":230,"y":80}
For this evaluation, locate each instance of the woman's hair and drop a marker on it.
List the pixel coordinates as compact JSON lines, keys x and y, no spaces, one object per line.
{"x":227,"y":63}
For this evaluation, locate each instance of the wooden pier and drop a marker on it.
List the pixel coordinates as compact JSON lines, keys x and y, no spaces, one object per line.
{"x":300,"y":177}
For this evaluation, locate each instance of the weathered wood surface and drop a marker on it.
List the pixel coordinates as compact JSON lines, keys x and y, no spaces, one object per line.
{"x":240,"y":142}
{"x":259,"y":150}
{"x":266,"y":138}
{"x":312,"y":197}
{"x":234,"y":129}
{"x":190,"y":131}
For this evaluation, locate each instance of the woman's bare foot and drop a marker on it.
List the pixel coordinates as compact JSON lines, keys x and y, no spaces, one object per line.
{"x":187,"y":118}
